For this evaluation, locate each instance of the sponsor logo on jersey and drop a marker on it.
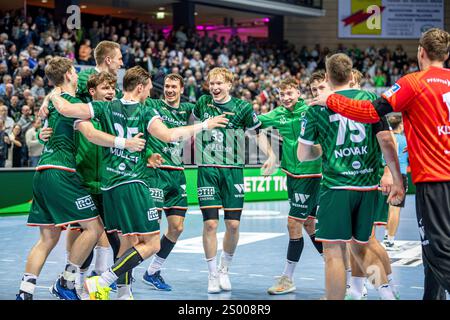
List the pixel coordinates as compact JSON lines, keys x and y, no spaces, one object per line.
{"x":392,"y":90}
{"x":356,"y":165}
{"x":183,"y":186}
{"x":255,"y":118}
{"x":206,"y":191}
{"x":152,"y":214}
{"x":303,"y":127}
{"x":156,"y":193}
{"x":301,"y":197}
{"x":122,"y":166}
{"x":84,"y":203}
{"x":443,"y":130}
{"x":240,"y":187}
{"x":283,"y":120}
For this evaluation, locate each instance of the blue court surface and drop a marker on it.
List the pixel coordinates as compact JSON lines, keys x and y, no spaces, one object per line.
{"x":259,"y":258}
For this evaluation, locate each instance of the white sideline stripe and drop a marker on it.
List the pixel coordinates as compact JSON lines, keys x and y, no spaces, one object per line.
{"x":256,"y":275}
{"x":51,"y":262}
{"x":184,"y":270}
{"x":7,"y":260}
{"x":310,"y":279}
{"x":420,"y":288}
{"x":42,"y":287}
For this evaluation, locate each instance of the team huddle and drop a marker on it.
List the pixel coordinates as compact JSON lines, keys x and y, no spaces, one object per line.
{"x":115,"y":161}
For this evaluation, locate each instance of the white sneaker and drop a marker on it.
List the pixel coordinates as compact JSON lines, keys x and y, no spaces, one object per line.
{"x":283,"y":285}
{"x":213,"y":283}
{"x":224,"y":279}
{"x":124,"y":293}
{"x":82,"y":293}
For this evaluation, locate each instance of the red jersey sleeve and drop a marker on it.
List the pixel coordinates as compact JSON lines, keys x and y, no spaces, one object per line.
{"x":403,"y":92}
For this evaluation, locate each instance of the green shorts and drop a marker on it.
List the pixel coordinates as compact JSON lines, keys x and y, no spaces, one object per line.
{"x":98,"y":201}
{"x":303,"y":194}
{"x":220,"y":188}
{"x":345,"y":215}
{"x":130,"y":210}
{"x":59,"y":199}
{"x":168,"y":189}
{"x":381,"y":212}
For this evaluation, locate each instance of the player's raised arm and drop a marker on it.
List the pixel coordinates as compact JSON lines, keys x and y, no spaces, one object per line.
{"x":158,"y":129}
{"x":104,"y":139}
{"x":70,"y":110}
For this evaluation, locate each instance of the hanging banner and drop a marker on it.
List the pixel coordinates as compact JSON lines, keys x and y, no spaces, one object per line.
{"x":389,"y":19}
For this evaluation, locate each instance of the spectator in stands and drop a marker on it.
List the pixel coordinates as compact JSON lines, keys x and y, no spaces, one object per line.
{"x":37,"y":90}
{"x":14,"y":108}
{"x":34,"y":147}
{"x":6,"y":79}
{"x":25,"y":119}
{"x":8,"y":122}
{"x":380,"y":79}
{"x":5,"y":143}
{"x":85,"y":53}
{"x":17,"y":146}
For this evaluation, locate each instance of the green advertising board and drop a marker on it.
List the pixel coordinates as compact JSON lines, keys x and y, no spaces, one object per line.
{"x":16,"y":192}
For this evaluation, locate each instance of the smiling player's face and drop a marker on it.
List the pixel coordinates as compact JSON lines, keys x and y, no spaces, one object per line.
{"x":219,"y":88}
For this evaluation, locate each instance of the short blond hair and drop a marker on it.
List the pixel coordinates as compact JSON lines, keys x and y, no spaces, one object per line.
{"x":357,"y":76}
{"x":287,"y":83}
{"x":222,"y":72}
{"x":104,"y":49}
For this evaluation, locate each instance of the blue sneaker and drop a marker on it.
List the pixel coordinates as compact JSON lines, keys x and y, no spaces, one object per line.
{"x":58,"y":291}
{"x":113,"y":286}
{"x":156,"y":281}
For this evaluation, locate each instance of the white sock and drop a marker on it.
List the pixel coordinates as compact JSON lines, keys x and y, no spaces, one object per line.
{"x":391,"y":282}
{"x":385,"y":292}
{"x":289,"y":269}
{"x":391,"y":239}
{"x":357,"y":287}
{"x":107,"y":278}
{"x":26,"y":285}
{"x":349,"y":277}
{"x":123,"y":292}
{"x":67,"y":257}
{"x":385,"y":233}
{"x":156,"y":265}
{"x":101,"y":259}
{"x":81,"y":277}
{"x":212,"y":265}
{"x":225,"y":260}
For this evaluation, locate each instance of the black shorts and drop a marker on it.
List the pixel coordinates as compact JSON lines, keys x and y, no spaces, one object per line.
{"x":405,"y":184}
{"x":433,"y":216}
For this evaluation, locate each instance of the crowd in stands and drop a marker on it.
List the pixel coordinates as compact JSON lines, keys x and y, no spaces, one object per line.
{"x":27,"y":44}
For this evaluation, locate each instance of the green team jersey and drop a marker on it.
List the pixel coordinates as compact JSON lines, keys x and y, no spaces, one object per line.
{"x":351,"y":154}
{"x":123,"y":119}
{"x":88,"y":160}
{"x":82,"y":90}
{"x":223,"y":147}
{"x":60,"y":150}
{"x":89,"y":156}
{"x":288,"y":124}
{"x":172,"y":118}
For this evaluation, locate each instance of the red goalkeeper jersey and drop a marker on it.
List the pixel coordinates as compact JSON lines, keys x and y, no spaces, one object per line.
{"x":423,"y":98}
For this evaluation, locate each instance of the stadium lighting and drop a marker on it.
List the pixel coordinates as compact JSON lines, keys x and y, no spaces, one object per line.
{"x":160,"y":15}
{"x":161,"y":8}
{"x":44,"y":1}
{"x":83,"y":6}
